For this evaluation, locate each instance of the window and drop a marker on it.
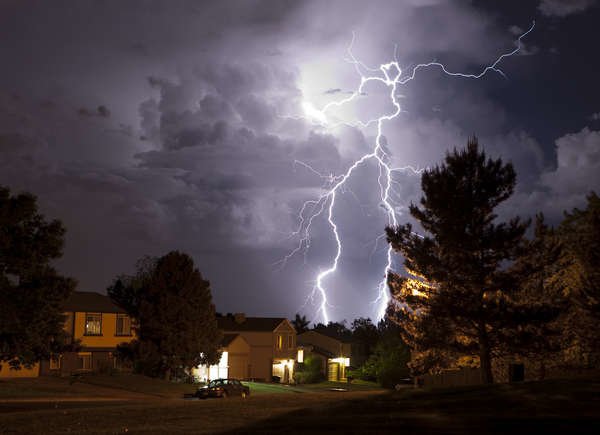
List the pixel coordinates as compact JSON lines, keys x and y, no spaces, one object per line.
{"x":85,"y":360}
{"x":55,"y":362}
{"x":290,"y":341}
{"x":300,"y":355}
{"x":123,"y":325}
{"x":280,"y":342}
{"x":93,"y":324}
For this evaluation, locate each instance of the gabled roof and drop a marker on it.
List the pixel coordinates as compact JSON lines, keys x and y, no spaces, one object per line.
{"x":342,"y":338}
{"x":305,"y":336}
{"x":320,"y":351}
{"x":257,"y":324}
{"x":228,"y":339}
{"x":91,"y":302}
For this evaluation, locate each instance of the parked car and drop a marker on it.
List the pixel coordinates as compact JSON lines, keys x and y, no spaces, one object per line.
{"x":223,"y":388}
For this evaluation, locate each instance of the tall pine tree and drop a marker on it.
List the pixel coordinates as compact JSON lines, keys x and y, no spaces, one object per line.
{"x":461,"y":299}
{"x":580,"y":234}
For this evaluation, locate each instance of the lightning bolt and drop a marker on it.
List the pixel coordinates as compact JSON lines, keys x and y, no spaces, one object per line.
{"x":389,"y":74}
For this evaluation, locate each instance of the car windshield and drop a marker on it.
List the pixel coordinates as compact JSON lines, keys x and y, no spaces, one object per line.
{"x":215,"y":383}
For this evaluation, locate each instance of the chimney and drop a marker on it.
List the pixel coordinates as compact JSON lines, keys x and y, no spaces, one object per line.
{"x":239,"y":318}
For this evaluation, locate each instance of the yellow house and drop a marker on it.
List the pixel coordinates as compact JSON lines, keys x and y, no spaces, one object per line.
{"x":334,"y":352}
{"x":99,"y":325}
{"x":272,"y":343}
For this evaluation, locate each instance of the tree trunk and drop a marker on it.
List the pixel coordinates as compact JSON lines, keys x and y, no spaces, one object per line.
{"x":167,"y":375}
{"x":485,"y":357}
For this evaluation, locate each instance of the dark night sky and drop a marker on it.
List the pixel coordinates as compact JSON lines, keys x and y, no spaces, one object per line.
{"x":195,"y":144}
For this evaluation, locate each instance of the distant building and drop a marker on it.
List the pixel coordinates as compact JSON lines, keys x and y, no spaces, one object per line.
{"x":333,"y":351}
{"x":100,"y":326}
{"x":271,"y":348}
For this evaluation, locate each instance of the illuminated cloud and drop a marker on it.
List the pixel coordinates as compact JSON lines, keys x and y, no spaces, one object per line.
{"x":196,"y":149}
{"x":563,"y":8}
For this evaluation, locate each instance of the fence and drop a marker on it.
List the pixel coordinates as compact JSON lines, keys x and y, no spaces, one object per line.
{"x":452,"y":378}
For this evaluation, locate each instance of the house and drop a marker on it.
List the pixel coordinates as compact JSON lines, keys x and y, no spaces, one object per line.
{"x":99,"y":326}
{"x":333,"y":351}
{"x":272,"y":347}
{"x":234,"y":362}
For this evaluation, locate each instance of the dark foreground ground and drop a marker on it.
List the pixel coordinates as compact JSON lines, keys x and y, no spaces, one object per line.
{"x":552,"y":407}
{"x":565,"y":406}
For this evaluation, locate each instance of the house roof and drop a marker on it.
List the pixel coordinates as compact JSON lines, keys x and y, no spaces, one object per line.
{"x":342,"y":338}
{"x":228,"y":339}
{"x":320,"y":351}
{"x":260,"y":324}
{"x":91,"y":302}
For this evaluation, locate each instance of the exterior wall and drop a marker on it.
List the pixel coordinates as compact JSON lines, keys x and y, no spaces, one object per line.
{"x":261,"y":354}
{"x":70,"y":363}
{"x":239,"y":359}
{"x":99,"y":347}
{"x":287,"y":334}
{"x":7,"y":372}
{"x":108,"y":339}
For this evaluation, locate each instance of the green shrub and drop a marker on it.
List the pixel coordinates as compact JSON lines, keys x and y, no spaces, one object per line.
{"x":310,"y":371}
{"x":387,"y":365}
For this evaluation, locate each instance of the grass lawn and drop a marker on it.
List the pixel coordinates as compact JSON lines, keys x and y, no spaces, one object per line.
{"x":264,"y":388}
{"x":123,"y":384}
{"x":321,"y":387}
{"x":49,"y":387}
{"x":127,"y":386}
{"x":549,"y":407}
{"x":140,"y":384}
{"x":356,"y":385}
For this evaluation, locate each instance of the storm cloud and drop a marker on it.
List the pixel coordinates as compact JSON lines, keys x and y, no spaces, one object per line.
{"x":152,"y":126}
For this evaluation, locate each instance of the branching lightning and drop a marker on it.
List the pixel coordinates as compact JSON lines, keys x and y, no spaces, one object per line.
{"x":389,"y":74}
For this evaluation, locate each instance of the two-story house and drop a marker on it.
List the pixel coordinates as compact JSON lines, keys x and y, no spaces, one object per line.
{"x":99,"y":326}
{"x":272,"y":347}
{"x":334,"y":352}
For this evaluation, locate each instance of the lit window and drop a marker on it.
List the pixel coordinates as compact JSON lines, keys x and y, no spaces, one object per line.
{"x":123,"y":325}
{"x":55,"y":362}
{"x":290,"y":341}
{"x":84,"y":360}
{"x":280,"y":342}
{"x":93,"y":324}
{"x":300,"y":355}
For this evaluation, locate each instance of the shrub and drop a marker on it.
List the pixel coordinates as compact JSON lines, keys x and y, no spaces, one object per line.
{"x":310,"y":371}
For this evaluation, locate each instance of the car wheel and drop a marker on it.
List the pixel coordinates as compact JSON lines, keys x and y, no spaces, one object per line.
{"x":224,"y":396}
